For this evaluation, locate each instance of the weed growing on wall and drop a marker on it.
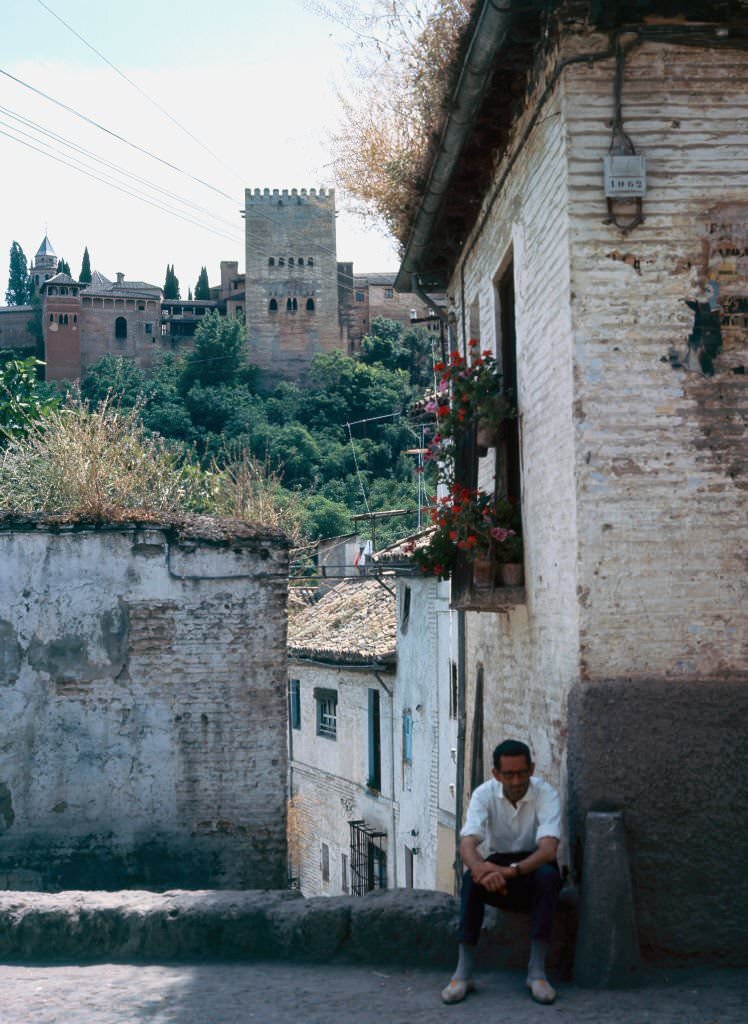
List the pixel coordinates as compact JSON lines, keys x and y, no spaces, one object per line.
{"x":101,"y":465}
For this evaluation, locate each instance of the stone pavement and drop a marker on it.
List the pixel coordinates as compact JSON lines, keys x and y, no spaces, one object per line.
{"x":282,"y":993}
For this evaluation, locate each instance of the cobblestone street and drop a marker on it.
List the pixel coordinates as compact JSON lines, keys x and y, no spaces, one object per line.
{"x":272,"y":993}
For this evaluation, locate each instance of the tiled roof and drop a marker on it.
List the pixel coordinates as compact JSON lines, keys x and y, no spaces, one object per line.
{"x":61,"y":279}
{"x":353,"y":624}
{"x":400,"y":552}
{"x":45,"y":249}
{"x":386,"y":278}
{"x":98,"y":280}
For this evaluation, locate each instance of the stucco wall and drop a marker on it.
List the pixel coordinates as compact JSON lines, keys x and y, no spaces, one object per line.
{"x":142,"y":695}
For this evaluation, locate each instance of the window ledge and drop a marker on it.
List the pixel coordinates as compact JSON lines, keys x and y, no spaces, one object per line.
{"x":488,"y":599}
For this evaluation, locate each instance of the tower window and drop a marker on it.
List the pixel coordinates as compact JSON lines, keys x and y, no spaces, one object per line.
{"x":310,"y":262}
{"x":120,"y":328}
{"x":271,"y":261}
{"x":272,"y":306}
{"x":290,"y":261}
{"x":310,"y":305}
{"x":281,"y":261}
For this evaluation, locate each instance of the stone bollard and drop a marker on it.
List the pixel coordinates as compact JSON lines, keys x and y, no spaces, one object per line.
{"x":607,"y":952}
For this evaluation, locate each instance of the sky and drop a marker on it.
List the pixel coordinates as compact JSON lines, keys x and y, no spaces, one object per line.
{"x":253,"y":82}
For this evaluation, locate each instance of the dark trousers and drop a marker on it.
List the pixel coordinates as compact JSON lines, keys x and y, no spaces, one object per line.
{"x":536,"y":892}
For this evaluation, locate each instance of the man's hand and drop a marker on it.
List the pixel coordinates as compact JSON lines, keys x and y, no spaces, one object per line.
{"x":490,"y":876}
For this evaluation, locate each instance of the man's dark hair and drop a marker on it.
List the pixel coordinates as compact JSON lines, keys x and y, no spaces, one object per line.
{"x":511,"y":748}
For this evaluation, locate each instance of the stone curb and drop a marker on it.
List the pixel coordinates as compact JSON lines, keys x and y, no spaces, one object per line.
{"x":408,"y":927}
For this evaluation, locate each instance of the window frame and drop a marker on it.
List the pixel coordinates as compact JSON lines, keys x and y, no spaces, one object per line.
{"x":326,"y":713}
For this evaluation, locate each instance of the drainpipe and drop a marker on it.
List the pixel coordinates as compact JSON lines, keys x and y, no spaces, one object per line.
{"x":390,"y":694}
{"x":461,"y":723}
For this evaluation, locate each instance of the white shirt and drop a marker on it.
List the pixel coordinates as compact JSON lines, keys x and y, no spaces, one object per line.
{"x":504,"y":828}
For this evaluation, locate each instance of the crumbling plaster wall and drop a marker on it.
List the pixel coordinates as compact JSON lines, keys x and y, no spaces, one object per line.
{"x":142,"y":696}
{"x":661,"y":447}
{"x":660,"y":422}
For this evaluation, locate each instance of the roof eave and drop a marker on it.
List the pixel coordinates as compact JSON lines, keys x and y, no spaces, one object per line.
{"x":488,"y":36}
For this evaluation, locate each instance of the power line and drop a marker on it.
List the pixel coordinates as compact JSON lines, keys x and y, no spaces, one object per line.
{"x":138,"y":89}
{"x":35,"y":126}
{"x":115,"y":135}
{"x":120,"y":188}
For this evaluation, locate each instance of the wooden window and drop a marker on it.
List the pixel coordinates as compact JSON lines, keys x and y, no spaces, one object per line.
{"x":375,"y":746}
{"x":327,"y":713}
{"x":294,"y":703}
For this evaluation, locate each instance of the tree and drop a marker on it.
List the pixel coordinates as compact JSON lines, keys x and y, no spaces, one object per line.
{"x":219,"y":352}
{"x":85,"y":275}
{"x":22,"y":401}
{"x":19,"y":286}
{"x":189,"y":295}
{"x":63,"y":267}
{"x":171,"y":284}
{"x":202,"y":288}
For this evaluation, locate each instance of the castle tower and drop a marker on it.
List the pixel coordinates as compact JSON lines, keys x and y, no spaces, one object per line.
{"x":291,"y":278}
{"x":61,"y":322}
{"x":44,"y":265}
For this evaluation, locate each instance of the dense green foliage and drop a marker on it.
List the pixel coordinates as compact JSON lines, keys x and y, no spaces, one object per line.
{"x":338,"y":443}
{"x":63,"y":267}
{"x":23,"y":401}
{"x":85,"y":275}
{"x":19,"y":287}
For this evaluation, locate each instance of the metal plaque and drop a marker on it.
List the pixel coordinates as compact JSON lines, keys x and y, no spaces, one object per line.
{"x":625,"y":175}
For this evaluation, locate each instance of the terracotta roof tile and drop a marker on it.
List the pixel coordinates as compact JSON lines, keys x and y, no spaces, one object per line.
{"x":354,"y":623}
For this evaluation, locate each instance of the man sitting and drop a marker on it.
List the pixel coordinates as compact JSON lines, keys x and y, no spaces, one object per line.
{"x":516,"y":818}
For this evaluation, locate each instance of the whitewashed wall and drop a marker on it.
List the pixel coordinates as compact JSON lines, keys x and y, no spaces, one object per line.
{"x":142,"y":700}
{"x":328,"y":777}
{"x":530,"y":655}
{"x":425,"y":787}
{"x":631,"y":644}
{"x":661,"y":453}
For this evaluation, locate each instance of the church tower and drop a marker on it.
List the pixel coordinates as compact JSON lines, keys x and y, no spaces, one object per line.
{"x":44,"y":265}
{"x":291,"y":279}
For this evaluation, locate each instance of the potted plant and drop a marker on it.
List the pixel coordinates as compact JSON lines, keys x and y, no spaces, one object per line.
{"x":468,"y":523}
{"x":510,"y":557}
{"x":470,"y":393}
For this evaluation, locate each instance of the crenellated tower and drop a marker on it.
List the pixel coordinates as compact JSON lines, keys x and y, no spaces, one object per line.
{"x":292,"y":308}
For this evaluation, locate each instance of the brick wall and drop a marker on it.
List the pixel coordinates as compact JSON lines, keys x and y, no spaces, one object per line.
{"x":142,"y":691}
{"x":633,"y":460}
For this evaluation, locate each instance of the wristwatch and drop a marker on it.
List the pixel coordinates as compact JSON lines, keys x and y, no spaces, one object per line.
{"x":517,"y":871}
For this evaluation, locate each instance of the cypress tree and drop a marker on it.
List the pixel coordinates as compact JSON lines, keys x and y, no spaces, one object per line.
{"x":171,"y":283}
{"x":19,"y":286}
{"x":202,"y":288}
{"x":85,"y":275}
{"x":63,"y":267}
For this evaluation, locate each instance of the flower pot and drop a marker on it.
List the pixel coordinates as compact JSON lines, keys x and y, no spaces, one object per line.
{"x":484,"y":572}
{"x":512,"y":574}
{"x":487,"y":434}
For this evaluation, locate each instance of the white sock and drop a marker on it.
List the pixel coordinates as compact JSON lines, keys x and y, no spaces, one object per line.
{"x":465,"y":963}
{"x":536,"y":966}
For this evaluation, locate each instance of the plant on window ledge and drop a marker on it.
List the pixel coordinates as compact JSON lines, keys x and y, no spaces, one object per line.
{"x":469,"y":392}
{"x":472,"y":524}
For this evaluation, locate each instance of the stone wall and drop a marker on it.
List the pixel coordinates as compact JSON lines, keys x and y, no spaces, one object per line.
{"x":142,"y":695}
{"x":14,"y":328}
{"x":291,"y":259}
